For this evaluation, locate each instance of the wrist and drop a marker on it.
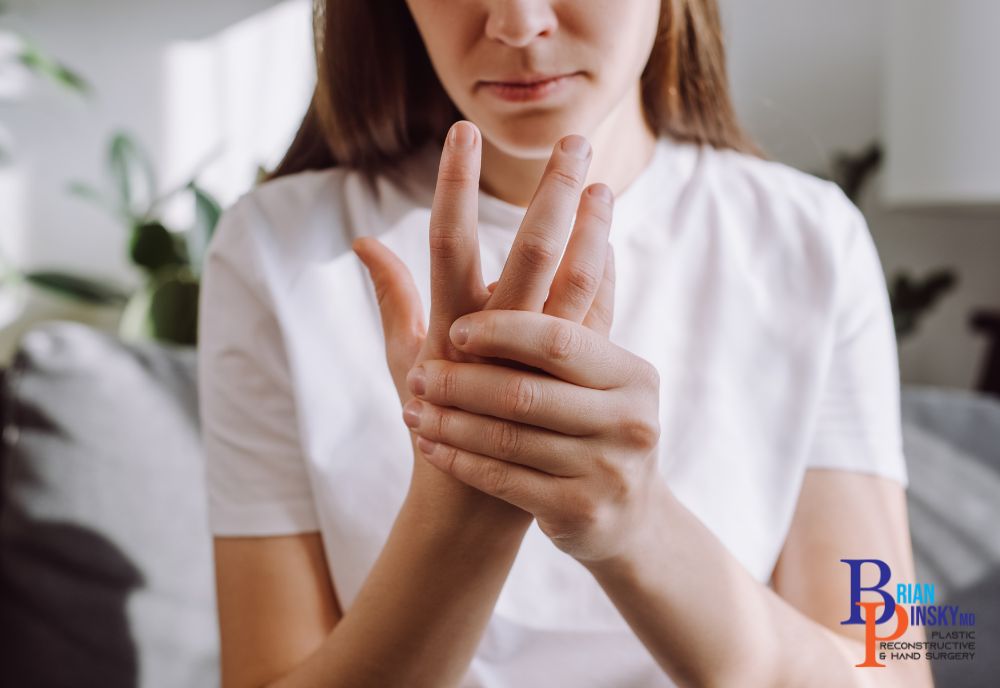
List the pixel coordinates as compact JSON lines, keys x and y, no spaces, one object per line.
{"x":643,"y":543}
{"x":466,"y":522}
{"x":444,"y":503}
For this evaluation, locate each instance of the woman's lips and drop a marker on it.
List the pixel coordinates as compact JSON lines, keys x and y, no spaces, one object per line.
{"x":524,"y":91}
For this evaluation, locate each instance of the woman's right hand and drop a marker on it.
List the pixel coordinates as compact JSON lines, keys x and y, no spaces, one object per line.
{"x":579,"y":288}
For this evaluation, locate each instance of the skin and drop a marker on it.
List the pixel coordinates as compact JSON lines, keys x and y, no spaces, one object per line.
{"x":565,"y":434}
{"x":475,"y":40}
{"x":421,"y":612}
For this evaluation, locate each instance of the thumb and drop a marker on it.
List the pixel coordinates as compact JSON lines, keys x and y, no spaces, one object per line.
{"x":398,"y":302}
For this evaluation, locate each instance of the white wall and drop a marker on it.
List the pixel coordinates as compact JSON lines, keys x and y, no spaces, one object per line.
{"x":807,"y":79}
{"x":185,"y":78}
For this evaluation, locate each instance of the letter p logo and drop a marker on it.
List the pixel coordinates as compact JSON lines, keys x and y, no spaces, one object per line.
{"x":902,"y":623}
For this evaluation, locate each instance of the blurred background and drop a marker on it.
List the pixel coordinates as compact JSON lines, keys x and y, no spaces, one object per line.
{"x":212,"y":91}
{"x":125,"y":127}
{"x":122,"y":104}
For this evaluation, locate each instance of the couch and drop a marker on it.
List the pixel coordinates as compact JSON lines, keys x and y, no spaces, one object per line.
{"x":105,"y":557}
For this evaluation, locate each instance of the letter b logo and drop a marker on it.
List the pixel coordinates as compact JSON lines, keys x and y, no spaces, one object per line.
{"x":885,"y":574}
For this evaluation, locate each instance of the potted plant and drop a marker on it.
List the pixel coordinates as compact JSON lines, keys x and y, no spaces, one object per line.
{"x":165,"y":307}
{"x":911,"y":297}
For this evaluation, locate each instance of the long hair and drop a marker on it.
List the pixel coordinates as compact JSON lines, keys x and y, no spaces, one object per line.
{"x":378,"y":99}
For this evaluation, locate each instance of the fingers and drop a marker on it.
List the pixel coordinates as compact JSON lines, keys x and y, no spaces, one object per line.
{"x":527,"y":275}
{"x":456,"y":277}
{"x":566,"y":350}
{"x":531,"y":490}
{"x":502,"y":392}
{"x":398,"y":303}
{"x":581,"y":270}
{"x":602,"y":310}
{"x":537,"y":448}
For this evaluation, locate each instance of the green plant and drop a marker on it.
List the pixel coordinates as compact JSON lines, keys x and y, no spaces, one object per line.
{"x":911,"y":297}
{"x":30,"y":56}
{"x":166,"y":306}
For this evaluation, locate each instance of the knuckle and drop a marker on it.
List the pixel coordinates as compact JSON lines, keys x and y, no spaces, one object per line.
{"x":519,"y":396}
{"x":566,"y":177}
{"x":600,"y":212}
{"x":536,"y":251}
{"x":445,"y":238}
{"x":449,"y":456}
{"x":616,"y":484}
{"x":561,"y":343}
{"x":487,"y":332}
{"x":447,"y":383}
{"x":640,"y":433}
{"x":583,"y":279}
{"x":455,"y":174}
{"x":440,"y":423}
{"x":496,"y":477}
{"x":506,"y":440}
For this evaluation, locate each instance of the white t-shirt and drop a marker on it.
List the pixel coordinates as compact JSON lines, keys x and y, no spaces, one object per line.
{"x":755,"y":289}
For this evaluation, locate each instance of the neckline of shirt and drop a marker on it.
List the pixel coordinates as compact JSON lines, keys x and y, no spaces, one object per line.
{"x":670,"y":164}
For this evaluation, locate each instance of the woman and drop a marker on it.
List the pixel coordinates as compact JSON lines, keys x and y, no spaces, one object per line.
{"x":638,"y":458}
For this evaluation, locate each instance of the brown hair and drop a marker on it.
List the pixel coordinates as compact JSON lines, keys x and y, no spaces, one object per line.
{"x":378,"y":99}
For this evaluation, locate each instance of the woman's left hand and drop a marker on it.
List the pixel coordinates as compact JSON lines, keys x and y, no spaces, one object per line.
{"x":574,"y":443}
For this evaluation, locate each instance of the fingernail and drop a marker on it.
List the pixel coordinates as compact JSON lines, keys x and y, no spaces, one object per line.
{"x":460,"y":332}
{"x":601,"y":191}
{"x":411,"y":412}
{"x":462,"y":135}
{"x":416,"y":379}
{"x":577,"y":146}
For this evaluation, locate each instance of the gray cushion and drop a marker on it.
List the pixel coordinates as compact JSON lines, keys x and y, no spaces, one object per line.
{"x":105,"y":558}
{"x":952,"y":444}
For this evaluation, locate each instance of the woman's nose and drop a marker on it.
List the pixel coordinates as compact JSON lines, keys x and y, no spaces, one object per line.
{"x":518,"y":22}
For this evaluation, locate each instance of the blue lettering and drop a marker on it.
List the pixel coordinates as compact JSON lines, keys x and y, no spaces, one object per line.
{"x":884,"y":575}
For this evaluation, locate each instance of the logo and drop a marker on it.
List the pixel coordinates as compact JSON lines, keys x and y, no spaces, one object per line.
{"x":912,"y":605}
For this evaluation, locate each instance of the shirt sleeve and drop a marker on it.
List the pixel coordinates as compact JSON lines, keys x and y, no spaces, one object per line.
{"x":858,"y":426}
{"x":257,"y":481}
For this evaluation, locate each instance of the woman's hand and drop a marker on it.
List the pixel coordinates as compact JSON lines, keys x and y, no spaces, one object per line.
{"x":579,"y":288}
{"x":575,"y":444}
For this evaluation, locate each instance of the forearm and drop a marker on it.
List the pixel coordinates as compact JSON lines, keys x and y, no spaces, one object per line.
{"x":419,"y":616}
{"x":708,"y":622}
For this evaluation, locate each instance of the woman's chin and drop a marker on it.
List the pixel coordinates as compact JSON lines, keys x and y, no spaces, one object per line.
{"x":529,"y":136}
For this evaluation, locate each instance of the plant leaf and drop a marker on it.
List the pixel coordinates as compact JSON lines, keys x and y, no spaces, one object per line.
{"x":173,"y":308}
{"x":207,"y":214}
{"x":43,"y":65}
{"x":153,"y":247}
{"x":130,"y":169}
{"x":89,"y":193}
{"x":80,"y":288}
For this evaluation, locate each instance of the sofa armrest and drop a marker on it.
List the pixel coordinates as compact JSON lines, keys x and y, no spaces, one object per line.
{"x":105,"y":554}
